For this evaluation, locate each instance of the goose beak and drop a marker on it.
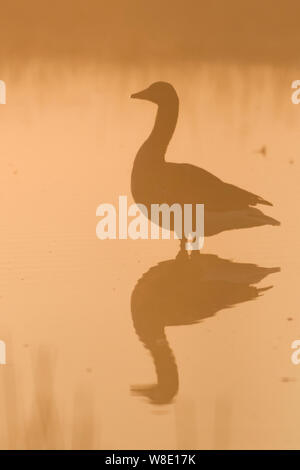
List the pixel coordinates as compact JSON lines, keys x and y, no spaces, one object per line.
{"x":141,"y":95}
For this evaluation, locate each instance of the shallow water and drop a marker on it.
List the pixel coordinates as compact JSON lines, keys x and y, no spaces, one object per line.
{"x":68,"y":141}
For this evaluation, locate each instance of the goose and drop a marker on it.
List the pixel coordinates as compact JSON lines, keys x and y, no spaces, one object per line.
{"x":156,"y":181}
{"x":185,"y":291}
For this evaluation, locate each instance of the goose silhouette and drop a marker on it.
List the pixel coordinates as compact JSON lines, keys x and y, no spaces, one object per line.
{"x":184,"y":291}
{"x":156,"y":181}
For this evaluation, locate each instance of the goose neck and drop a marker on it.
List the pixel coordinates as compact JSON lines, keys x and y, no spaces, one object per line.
{"x":165,"y":123}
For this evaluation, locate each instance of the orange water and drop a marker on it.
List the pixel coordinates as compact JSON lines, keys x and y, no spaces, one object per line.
{"x":69,"y":135}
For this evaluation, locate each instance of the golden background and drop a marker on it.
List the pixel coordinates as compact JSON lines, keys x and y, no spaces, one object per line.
{"x":69,"y":136}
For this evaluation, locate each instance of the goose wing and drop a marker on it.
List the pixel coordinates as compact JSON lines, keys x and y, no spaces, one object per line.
{"x":192,"y":184}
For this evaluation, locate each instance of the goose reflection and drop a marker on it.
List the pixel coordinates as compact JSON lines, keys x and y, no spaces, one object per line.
{"x":183,"y":291}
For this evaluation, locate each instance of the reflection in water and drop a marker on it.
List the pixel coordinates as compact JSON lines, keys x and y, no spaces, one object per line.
{"x":222,"y":424}
{"x":187,"y":289}
{"x":184,"y":291}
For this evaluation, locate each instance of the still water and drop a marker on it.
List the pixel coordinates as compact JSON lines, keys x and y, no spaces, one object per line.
{"x":77,"y":311}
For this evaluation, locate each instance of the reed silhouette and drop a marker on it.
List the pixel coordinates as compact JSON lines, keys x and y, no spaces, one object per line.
{"x":44,"y":426}
{"x":156,"y":181}
{"x":184,"y":291}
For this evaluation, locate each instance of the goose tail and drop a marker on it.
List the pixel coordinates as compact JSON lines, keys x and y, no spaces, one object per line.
{"x":271,"y":221}
{"x":261,"y":218}
{"x":264,"y":289}
{"x":264,"y":201}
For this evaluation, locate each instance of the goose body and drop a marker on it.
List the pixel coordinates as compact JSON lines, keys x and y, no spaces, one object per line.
{"x":155,"y":181}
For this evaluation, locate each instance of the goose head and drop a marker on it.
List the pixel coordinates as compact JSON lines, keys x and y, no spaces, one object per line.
{"x":158,"y":93}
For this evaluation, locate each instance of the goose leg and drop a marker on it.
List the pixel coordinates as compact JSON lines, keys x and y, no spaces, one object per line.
{"x":182,"y":244}
{"x":195,"y":253}
{"x":182,"y":251}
